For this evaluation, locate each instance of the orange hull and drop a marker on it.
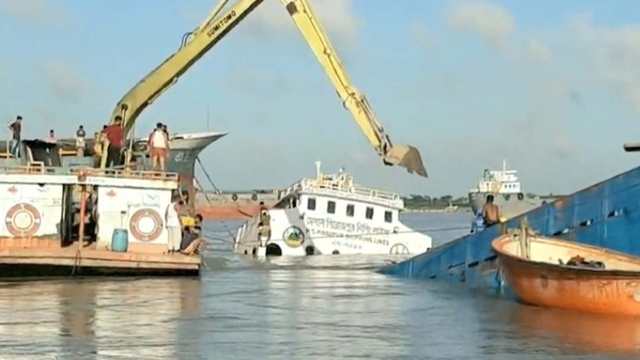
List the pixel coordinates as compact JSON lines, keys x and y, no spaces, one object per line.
{"x":543,"y":282}
{"x":229,"y":212}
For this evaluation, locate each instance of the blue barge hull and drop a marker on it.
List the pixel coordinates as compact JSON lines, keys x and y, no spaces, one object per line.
{"x":606,"y":214}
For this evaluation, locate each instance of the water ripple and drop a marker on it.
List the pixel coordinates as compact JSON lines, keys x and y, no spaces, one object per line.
{"x":323,"y":307}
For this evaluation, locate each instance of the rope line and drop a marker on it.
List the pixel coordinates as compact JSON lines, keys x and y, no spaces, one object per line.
{"x":76,"y":263}
{"x":206,"y":196}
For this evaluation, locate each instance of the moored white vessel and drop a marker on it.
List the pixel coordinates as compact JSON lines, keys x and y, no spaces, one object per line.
{"x":506,"y":190}
{"x":330,"y":214}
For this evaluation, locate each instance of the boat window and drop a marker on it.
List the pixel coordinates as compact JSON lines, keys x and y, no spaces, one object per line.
{"x":311,"y":203}
{"x":388,"y":216}
{"x":369,"y":213}
{"x":331,"y":207}
{"x":350,"y":210}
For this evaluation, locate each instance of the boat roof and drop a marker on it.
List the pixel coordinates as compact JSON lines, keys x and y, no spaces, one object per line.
{"x":342,"y":186}
{"x":67,"y":146}
{"x":121,"y":178}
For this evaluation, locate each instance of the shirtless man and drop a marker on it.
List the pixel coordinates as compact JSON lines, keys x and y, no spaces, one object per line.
{"x":490,"y":212}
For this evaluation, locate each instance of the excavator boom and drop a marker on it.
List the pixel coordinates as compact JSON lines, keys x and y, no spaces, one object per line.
{"x":212,"y":30}
{"x":399,"y":155}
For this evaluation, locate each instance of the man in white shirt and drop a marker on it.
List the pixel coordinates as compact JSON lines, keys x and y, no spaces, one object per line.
{"x":174,"y":225}
{"x":158,"y":147}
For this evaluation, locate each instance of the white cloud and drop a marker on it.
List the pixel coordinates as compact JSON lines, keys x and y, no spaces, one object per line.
{"x":419,"y":32}
{"x":493,"y":22}
{"x":37,"y":11}
{"x":337,"y":16}
{"x":62,"y":81}
{"x":615,"y":52}
{"x":539,"y":51}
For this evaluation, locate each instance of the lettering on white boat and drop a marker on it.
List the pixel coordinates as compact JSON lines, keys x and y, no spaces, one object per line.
{"x":359,"y":231}
{"x":143,"y":200}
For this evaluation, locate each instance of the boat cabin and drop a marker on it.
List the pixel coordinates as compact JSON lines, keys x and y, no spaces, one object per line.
{"x":70,"y":217}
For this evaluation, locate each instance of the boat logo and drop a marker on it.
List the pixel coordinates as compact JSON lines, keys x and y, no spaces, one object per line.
{"x":397,"y":249}
{"x":293,"y":236}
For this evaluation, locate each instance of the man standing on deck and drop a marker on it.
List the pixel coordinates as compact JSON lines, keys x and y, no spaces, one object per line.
{"x":158,"y":145}
{"x":16,"y":130}
{"x":174,"y":225}
{"x":80,"y":141}
{"x":490,"y":212}
{"x":115,"y":134}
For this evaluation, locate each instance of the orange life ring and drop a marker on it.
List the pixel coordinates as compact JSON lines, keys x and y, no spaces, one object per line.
{"x":146,"y":233}
{"x":23,"y":220}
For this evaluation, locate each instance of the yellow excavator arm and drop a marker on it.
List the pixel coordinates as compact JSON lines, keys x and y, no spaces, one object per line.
{"x":214,"y":28}
{"x":400,"y":155}
{"x":195,"y":45}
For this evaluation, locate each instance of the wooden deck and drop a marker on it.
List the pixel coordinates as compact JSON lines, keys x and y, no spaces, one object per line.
{"x":52,"y":261}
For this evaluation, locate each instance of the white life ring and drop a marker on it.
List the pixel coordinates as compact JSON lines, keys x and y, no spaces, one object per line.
{"x":23,"y":220}
{"x":146,"y":225}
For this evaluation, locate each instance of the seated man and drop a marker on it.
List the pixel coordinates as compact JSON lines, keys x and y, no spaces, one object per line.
{"x":192,"y":241}
{"x":490,"y":212}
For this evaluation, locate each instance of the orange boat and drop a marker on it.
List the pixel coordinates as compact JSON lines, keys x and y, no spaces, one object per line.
{"x":560,"y":274}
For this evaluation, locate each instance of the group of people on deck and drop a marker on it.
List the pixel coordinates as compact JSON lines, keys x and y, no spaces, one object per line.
{"x":158,"y":143}
{"x":16,"y":137}
{"x":184,"y":228}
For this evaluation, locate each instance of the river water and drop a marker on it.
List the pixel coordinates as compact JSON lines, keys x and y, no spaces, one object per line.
{"x":323,"y":307}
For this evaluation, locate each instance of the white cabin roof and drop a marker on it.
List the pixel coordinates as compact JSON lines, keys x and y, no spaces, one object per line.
{"x":504,"y":181}
{"x":342,"y":186}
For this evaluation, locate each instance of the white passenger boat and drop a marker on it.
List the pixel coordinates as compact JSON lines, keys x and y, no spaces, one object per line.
{"x":330,"y":214}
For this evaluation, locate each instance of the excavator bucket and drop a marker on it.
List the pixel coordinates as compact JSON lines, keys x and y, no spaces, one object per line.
{"x":406,"y":156}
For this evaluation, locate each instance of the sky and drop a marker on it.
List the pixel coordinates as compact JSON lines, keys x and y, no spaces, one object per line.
{"x":553,"y":87}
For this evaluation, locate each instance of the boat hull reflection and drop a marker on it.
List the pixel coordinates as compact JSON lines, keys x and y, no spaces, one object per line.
{"x":91,"y":319}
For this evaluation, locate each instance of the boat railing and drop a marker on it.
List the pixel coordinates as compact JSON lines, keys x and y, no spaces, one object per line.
{"x":127,"y":174}
{"x":38,"y":168}
{"x":346,"y":190}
